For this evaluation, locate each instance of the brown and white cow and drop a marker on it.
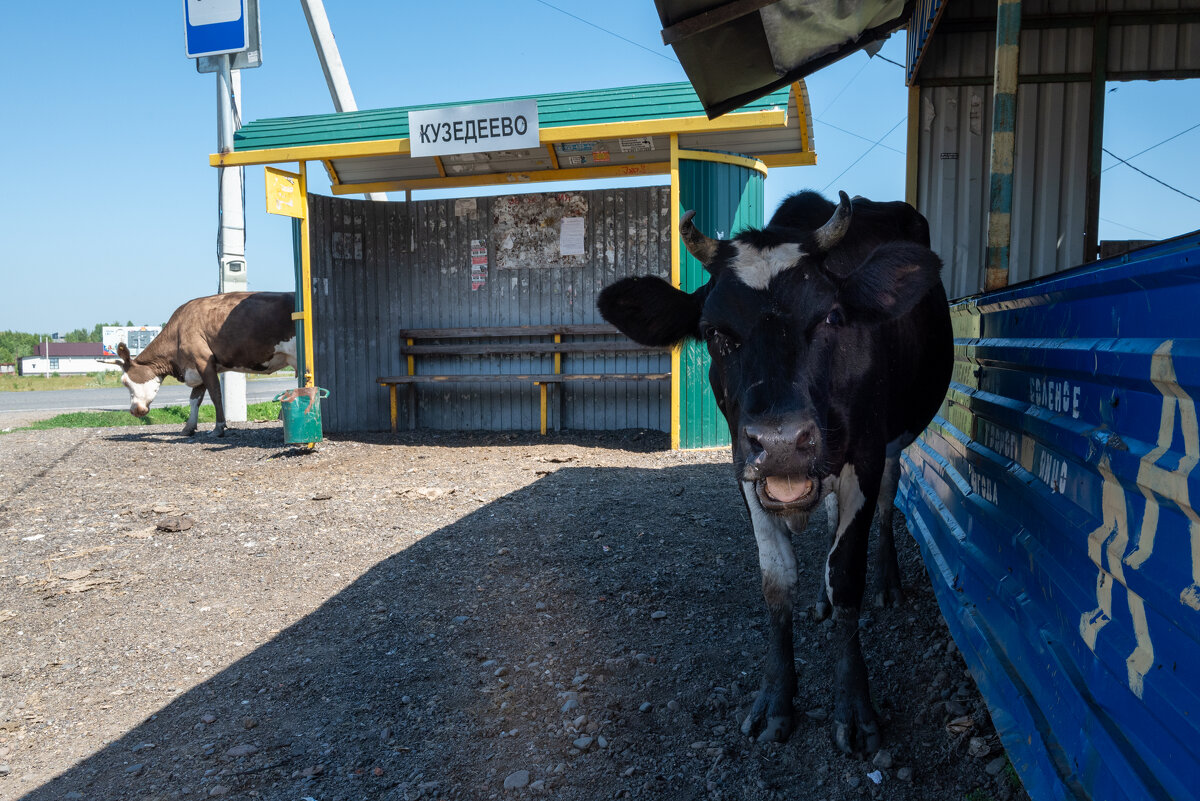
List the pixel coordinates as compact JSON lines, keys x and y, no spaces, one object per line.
{"x":246,"y":332}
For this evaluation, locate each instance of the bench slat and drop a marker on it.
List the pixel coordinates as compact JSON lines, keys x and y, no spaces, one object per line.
{"x":514,"y":348}
{"x":532,"y":378}
{"x":509,"y":331}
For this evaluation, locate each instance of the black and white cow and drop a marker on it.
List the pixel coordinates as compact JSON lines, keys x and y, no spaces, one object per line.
{"x":247,"y":332}
{"x":831,"y":350}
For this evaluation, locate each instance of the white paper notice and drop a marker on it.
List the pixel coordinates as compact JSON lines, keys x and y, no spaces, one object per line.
{"x":570,"y":237}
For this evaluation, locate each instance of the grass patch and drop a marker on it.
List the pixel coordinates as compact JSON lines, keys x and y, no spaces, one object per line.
{"x":255,"y":412}
{"x":101,"y":379}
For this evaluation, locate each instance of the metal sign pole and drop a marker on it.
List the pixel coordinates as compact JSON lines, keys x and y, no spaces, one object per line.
{"x":231,"y":235}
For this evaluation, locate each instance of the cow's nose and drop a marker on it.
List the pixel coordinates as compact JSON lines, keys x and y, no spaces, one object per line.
{"x":140,"y":411}
{"x":779,"y":441}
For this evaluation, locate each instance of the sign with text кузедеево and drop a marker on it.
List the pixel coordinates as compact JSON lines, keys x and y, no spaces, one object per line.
{"x":508,"y":125}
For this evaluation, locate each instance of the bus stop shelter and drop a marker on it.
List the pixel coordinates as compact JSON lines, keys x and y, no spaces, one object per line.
{"x":715,"y":167}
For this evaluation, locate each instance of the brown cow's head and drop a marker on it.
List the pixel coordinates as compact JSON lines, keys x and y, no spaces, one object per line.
{"x":141,"y":381}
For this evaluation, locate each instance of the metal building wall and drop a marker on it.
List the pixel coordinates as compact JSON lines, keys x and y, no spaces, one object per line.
{"x":1049,"y":179}
{"x":378,"y":268}
{"x":1049,"y":213}
{"x":1054,"y":502}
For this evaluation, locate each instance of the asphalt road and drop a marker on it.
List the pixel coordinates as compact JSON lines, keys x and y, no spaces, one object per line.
{"x":117,"y":398}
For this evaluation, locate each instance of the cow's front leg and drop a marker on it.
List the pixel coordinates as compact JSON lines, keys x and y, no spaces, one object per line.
{"x":772,"y":717}
{"x":189,"y":427}
{"x":821,"y":608}
{"x":856,"y":728}
{"x":888,"y":590}
{"x":213,"y":381}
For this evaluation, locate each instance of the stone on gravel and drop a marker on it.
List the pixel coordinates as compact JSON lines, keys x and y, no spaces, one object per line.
{"x":904,"y":774}
{"x":996,"y":765}
{"x":135,"y":769}
{"x":518,"y":780}
{"x":246,"y":749}
{"x":645,"y":706}
{"x":173,"y":524}
{"x":570,"y":705}
{"x":218,"y":790}
{"x":883,"y":759}
{"x":582,"y":743}
{"x":208,"y":717}
{"x":658,"y":615}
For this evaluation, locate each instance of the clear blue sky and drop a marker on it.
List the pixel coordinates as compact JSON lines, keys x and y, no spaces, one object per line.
{"x":109,"y":211}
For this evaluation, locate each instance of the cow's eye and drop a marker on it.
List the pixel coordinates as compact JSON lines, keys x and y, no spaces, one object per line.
{"x":834,"y":317}
{"x":720,"y":341}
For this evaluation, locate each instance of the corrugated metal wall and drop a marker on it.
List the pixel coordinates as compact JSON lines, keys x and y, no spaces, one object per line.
{"x":378,"y":268}
{"x":1053,"y":499}
{"x":1049,"y":214}
{"x":727,"y":198}
{"x":1049,"y":179}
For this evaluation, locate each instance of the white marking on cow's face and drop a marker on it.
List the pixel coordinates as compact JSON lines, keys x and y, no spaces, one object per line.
{"x":755,"y":268}
{"x":776,"y":559}
{"x":141,"y":395}
{"x":850,"y":499}
{"x":192,"y":377}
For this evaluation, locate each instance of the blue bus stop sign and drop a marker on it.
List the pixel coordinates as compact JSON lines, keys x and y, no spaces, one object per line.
{"x":212,"y":27}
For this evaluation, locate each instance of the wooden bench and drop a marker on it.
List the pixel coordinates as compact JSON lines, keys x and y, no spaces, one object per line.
{"x":416,"y":342}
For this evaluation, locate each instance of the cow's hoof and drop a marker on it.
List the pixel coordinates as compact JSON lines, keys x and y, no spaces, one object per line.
{"x":857,"y":737}
{"x":821,"y":610}
{"x":189,"y":432}
{"x":889,"y":597}
{"x":218,"y":431}
{"x":767,"y":722}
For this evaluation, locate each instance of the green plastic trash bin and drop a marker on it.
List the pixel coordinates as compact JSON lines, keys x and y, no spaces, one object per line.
{"x":300,"y":411}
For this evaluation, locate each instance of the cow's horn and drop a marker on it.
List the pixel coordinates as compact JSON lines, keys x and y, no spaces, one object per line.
{"x":830,"y":234}
{"x":699,"y":245}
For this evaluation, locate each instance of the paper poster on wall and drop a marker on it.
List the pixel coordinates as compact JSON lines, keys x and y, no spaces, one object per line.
{"x":570,"y":237}
{"x":479,"y":264}
{"x":527,"y":230}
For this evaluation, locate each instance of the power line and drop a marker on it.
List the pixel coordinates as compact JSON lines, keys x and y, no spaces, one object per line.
{"x":606,"y":30}
{"x":868,"y":150}
{"x":859,"y":136}
{"x":1148,"y":175}
{"x":1130,"y":227}
{"x":1147,"y":150}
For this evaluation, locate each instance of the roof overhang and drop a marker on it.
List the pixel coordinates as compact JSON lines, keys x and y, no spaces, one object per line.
{"x":736,"y":52}
{"x":583,"y":135}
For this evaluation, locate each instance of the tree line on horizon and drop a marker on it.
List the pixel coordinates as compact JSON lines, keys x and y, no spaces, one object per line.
{"x":16,"y":344}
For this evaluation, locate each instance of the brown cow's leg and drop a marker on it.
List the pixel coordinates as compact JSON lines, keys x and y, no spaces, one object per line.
{"x":213,"y":381}
{"x":194,"y":402}
{"x":772,"y":716}
{"x":856,"y":729}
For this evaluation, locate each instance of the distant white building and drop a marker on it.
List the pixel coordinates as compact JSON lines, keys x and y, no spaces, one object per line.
{"x":65,"y":358}
{"x":135,"y":337}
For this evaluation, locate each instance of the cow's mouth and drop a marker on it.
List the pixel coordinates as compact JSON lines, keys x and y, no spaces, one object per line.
{"x":780,"y":493}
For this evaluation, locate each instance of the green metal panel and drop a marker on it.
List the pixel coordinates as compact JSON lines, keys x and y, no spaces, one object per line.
{"x":594,"y":107}
{"x":726,"y":198}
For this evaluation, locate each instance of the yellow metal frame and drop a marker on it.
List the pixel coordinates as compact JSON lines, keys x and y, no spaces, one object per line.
{"x":494,"y":178}
{"x":565,"y":133}
{"x":676,"y":352}
{"x":720,"y":158}
{"x":913,"y":145}
{"x":306,"y":316}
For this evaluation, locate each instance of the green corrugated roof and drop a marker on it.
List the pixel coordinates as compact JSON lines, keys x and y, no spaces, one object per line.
{"x":591,"y":107}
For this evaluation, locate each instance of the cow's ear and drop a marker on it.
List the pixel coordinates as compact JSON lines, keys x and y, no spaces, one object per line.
{"x":650,"y":311}
{"x":890,"y":282}
{"x":123,"y":354}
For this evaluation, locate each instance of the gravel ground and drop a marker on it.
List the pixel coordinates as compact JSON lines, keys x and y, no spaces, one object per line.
{"x":575,"y":616}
